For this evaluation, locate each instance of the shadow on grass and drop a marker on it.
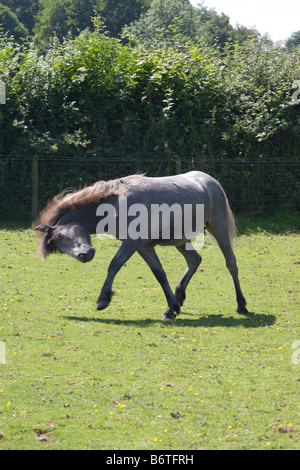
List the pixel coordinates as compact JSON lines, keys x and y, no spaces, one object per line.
{"x":252,"y":320}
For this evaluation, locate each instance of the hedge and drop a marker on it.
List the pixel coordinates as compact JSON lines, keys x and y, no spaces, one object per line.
{"x":95,"y":108}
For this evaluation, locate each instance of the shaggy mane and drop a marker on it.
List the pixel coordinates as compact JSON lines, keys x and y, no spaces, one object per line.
{"x":65,"y":201}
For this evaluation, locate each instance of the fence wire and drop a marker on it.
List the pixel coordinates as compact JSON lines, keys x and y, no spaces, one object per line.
{"x":253,"y":186}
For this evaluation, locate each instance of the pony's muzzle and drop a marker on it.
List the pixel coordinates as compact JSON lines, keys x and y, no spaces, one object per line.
{"x":86,"y":256}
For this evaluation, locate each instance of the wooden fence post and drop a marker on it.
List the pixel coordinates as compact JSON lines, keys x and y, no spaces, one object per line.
{"x":178,"y":166}
{"x":35,"y":187}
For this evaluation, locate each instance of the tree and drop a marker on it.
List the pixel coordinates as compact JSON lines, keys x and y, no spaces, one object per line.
{"x":10,"y":24}
{"x":214,"y":28}
{"x":242,"y":34}
{"x":293,"y":41}
{"x":174,"y":19}
{"x":160,"y":20}
{"x":25,"y":10}
{"x":63,"y":17}
{"x":118,"y":13}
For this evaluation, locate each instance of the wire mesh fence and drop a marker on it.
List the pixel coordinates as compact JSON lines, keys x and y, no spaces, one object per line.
{"x":255,"y":187}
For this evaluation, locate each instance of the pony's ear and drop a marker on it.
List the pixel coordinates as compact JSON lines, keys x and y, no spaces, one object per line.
{"x":44,"y":228}
{"x":47,"y":245}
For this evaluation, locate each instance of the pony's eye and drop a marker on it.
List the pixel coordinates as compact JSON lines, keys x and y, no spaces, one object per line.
{"x":60,"y":235}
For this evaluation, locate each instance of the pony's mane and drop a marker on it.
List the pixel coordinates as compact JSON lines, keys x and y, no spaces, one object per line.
{"x":67,"y":201}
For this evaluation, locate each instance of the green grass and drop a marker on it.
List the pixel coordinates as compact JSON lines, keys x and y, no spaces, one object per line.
{"x":75,"y":378}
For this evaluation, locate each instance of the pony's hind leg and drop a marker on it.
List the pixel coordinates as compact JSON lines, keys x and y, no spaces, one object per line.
{"x":193,"y":260}
{"x":233,"y":269}
{"x":221,"y":234}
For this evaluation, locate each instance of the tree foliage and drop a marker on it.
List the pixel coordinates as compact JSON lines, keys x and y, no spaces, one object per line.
{"x":97,"y":103}
{"x":181,"y":89}
{"x":293,"y":41}
{"x":63,"y":18}
{"x":25,"y":10}
{"x":10,"y":24}
{"x":118,"y":13}
{"x":169,"y":20}
{"x":70,"y":17}
{"x":144,"y":20}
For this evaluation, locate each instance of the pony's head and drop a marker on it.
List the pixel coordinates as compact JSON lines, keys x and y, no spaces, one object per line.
{"x":72,"y":239}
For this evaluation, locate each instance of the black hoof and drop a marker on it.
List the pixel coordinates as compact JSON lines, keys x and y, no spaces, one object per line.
{"x":170,"y":317}
{"x":171,"y":313}
{"x":242,"y":311}
{"x":104,"y":301}
{"x":102,"y":304}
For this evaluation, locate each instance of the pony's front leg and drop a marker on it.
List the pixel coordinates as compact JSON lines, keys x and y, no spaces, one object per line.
{"x":126,"y":250}
{"x":151,"y":258}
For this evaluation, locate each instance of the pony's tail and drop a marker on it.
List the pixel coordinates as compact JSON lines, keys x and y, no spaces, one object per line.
{"x":221,"y":223}
{"x":232,"y":231}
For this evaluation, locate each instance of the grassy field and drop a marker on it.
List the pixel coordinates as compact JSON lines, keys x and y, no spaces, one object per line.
{"x":75,"y":378}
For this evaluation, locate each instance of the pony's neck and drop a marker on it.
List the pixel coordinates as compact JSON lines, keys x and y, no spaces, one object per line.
{"x":85,"y":216}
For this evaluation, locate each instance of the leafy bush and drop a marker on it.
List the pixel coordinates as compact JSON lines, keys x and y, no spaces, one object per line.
{"x":92,"y":107}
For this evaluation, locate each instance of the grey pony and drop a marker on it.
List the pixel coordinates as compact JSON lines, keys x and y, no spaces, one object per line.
{"x":70,"y":219}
